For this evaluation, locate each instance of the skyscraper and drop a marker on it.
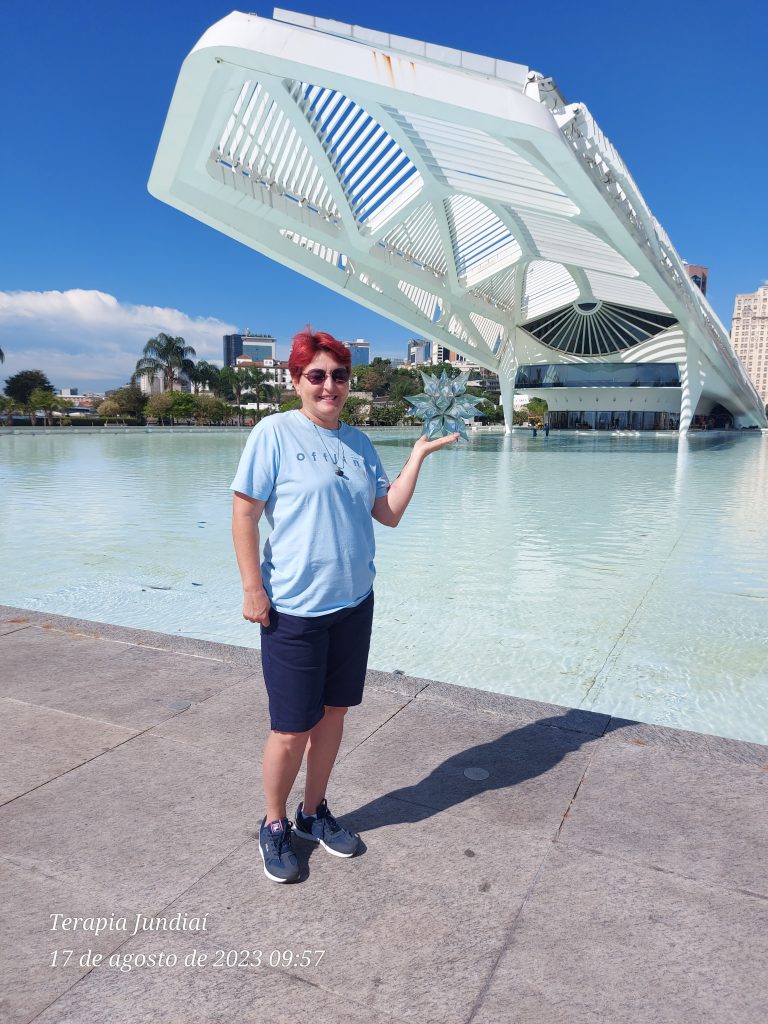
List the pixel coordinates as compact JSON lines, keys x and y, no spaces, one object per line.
{"x":233,"y":347}
{"x":419,"y":351}
{"x":257,"y":347}
{"x":749,"y":336}
{"x":361,"y":351}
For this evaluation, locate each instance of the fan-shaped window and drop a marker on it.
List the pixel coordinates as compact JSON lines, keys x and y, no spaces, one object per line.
{"x":597,"y":328}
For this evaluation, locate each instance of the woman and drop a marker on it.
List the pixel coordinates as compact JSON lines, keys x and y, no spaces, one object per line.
{"x":320,"y":482}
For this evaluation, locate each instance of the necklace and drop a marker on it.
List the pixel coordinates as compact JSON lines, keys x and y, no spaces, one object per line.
{"x":339,"y":453}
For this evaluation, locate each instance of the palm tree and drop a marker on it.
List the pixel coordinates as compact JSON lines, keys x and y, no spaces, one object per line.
{"x":232,"y":383}
{"x":166,"y":356}
{"x":203,"y":374}
{"x":257,"y":383}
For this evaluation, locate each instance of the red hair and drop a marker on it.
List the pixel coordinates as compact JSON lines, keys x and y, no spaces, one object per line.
{"x":306,"y":345}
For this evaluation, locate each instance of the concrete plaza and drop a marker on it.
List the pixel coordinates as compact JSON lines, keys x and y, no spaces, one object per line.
{"x":601,"y":870}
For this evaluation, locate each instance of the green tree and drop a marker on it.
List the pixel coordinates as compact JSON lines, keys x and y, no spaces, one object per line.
{"x":109,"y":409}
{"x":354,"y":411}
{"x":7,"y":408}
{"x":209,"y":409}
{"x":537,"y":407}
{"x":182,"y":405}
{"x":131,"y":400}
{"x":374,"y":377}
{"x":236,"y":385}
{"x":256,"y":385}
{"x":45,"y":401}
{"x":388,"y":415}
{"x":404,"y":382}
{"x":290,"y":403}
{"x":202,"y":375}
{"x":21,"y":385}
{"x":167,"y":357}
{"x":160,"y":407}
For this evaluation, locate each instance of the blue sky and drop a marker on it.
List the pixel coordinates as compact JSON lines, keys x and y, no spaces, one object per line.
{"x":91,"y":265}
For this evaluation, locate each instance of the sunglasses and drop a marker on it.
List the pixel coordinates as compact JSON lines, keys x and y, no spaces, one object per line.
{"x":339,"y":376}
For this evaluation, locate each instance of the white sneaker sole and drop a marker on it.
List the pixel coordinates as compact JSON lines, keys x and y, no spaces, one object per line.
{"x":313,"y":839}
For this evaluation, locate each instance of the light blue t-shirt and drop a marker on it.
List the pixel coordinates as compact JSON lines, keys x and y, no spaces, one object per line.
{"x":319,"y":554}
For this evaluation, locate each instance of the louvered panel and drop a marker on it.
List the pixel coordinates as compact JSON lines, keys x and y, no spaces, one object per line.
{"x":324,"y":252}
{"x":459,"y":330}
{"x":478,"y":163}
{"x":625,"y":291}
{"x":491,"y":332}
{"x":482,"y":244}
{"x":376,"y":175}
{"x":259,"y":143}
{"x":499,"y":290}
{"x":418,"y":240}
{"x":370,"y":283}
{"x":565,"y":242}
{"x":427,"y":303}
{"x":547,"y":286}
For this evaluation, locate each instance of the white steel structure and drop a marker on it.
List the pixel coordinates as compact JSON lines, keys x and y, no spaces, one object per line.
{"x":459,"y":195}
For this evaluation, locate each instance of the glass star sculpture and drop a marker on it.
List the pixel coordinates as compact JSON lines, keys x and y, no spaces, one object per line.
{"x":443,"y":405}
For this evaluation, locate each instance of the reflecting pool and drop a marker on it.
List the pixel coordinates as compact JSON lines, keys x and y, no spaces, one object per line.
{"x":622,"y":574}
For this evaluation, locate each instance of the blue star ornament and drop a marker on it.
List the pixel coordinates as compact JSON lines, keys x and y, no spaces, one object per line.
{"x":443,"y":405}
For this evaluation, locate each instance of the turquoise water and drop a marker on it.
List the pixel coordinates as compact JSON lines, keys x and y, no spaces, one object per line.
{"x":622,"y":574}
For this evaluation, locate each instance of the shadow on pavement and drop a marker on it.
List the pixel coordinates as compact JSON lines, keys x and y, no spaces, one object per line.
{"x":517,"y":756}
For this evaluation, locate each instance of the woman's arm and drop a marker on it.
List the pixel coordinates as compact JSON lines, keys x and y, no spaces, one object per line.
{"x":389,"y":508}
{"x":246,"y":513}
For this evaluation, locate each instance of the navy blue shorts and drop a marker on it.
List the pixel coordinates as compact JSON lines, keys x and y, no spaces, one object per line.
{"x":311,"y":662}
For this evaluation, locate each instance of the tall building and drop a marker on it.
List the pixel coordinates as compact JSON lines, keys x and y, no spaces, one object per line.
{"x":419,"y":351}
{"x":361,"y":351}
{"x":749,"y":336}
{"x":441,"y":354}
{"x":699,"y":276}
{"x":233,"y":347}
{"x":257,"y":347}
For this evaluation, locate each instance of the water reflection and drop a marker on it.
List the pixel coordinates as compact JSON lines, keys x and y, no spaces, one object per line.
{"x":624,"y":574}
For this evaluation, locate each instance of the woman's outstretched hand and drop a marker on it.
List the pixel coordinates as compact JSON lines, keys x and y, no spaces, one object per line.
{"x":423,"y":447}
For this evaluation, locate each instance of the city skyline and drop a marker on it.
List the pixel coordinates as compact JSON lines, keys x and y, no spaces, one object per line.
{"x":95,"y":266}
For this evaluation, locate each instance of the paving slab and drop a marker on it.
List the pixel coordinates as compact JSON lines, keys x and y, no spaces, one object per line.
{"x":603,"y":870}
{"x":37,"y":744}
{"x":29,"y":935}
{"x":672,"y":813}
{"x":112,"y":681}
{"x":237,"y":720}
{"x":363,"y":915}
{"x":138,"y":824}
{"x":204,"y":995}
{"x":420,"y":758}
{"x":605,"y":940}
{"x":10,"y":627}
{"x":684,"y":743}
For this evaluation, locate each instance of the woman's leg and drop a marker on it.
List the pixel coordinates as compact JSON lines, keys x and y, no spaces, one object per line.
{"x":283,"y":752}
{"x":324,"y":743}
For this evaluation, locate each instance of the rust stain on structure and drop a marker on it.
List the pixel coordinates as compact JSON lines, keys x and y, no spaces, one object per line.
{"x":387,"y":62}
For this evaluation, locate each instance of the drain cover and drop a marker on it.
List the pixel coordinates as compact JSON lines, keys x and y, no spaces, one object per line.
{"x":476,"y":773}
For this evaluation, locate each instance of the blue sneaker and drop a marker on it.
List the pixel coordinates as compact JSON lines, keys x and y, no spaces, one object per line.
{"x":280,"y":864}
{"x":323,"y":828}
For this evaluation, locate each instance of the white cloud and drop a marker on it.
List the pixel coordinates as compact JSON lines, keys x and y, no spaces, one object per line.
{"x":90,"y":339}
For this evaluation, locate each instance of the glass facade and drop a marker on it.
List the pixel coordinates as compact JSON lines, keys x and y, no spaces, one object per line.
{"x":598,"y":375}
{"x":598,"y":419}
{"x":258,"y":352}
